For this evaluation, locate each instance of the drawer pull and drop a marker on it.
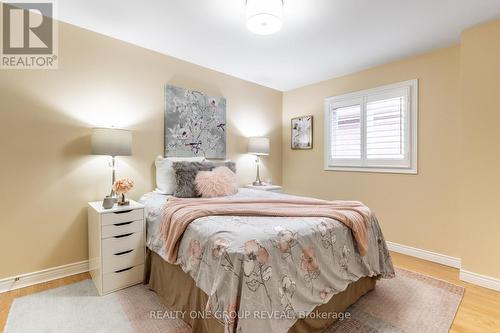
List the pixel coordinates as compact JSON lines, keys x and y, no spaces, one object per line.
{"x":123,"y":211}
{"x":125,"y":235}
{"x":124,"y":270}
{"x":122,"y":253}
{"x":121,"y":224}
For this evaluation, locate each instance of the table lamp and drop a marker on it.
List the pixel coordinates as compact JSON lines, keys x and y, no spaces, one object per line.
{"x":258,"y":146}
{"x":111,"y":142}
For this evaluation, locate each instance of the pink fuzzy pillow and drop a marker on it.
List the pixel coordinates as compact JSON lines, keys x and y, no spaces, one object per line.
{"x":216,"y":183}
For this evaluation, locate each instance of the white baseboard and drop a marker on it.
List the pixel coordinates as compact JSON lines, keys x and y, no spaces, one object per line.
{"x":424,"y":254}
{"x":480,"y":280}
{"x":467,"y":276}
{"x":29,"y":279}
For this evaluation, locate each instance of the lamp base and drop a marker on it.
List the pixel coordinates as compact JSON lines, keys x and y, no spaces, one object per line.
{"x":257,"y":181}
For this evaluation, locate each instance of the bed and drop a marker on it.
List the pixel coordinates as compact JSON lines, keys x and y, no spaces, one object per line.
{"x":281,"y":274}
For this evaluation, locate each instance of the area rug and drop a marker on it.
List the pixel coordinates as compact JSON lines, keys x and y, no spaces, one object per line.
{"x":409,"y":303}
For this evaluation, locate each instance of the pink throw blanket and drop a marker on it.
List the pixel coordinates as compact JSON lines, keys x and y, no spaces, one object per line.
{"x":179,"y":213}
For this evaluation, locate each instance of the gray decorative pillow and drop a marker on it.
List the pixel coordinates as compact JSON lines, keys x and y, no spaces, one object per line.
{"x":230,"y":165}
{"x":185,"y":176}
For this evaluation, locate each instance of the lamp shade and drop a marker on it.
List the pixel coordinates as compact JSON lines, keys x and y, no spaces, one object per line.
{"x":258,"y":146}
{"x":111,"y":142}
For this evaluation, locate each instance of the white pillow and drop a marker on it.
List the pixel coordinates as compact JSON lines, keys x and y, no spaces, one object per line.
{"x":165,"y":176}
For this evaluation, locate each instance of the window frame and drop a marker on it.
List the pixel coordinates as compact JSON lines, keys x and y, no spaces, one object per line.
{"x":363,"y":164}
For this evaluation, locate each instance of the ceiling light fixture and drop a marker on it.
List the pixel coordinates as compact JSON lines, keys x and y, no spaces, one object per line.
{"x":264,"y":17}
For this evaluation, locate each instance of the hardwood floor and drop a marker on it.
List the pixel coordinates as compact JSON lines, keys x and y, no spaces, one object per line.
{"x":478,"y":312}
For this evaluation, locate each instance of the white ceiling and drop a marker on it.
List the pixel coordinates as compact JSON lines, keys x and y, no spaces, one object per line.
{"x":320,"y":39}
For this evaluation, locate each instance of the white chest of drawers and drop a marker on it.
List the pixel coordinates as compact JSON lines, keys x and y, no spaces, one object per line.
{"x":116,"y":245}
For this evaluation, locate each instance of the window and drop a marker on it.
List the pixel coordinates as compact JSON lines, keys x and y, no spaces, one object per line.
{"x":373,"y":130}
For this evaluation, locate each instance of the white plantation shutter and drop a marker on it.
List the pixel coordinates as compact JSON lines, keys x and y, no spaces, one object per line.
{"x":346,"y":132}
{"x":386,"y":127}
{"x":373,"y":130}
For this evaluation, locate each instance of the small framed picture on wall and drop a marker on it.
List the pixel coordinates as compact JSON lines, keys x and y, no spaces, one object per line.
{"x":302,"y":132}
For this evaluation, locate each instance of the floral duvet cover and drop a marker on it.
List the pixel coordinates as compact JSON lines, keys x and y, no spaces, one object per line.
{"x":264,"y":273}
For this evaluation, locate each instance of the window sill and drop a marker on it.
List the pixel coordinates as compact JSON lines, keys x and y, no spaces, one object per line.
{"x":412,"y":171}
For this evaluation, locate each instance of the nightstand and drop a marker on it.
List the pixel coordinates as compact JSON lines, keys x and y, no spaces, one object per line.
{"x":116,"y":245}
{"x":269,"y":188}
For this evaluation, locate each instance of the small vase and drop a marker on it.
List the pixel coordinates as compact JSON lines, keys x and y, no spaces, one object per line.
{"x":108,"y":202}
{"x":122,"y":201}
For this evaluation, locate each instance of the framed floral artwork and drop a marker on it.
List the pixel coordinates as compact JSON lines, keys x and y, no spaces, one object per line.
{"x":302,"y":132}
{"x":195,"y":124}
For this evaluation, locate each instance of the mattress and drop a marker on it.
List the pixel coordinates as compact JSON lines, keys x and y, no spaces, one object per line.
{"x":283,"y":266}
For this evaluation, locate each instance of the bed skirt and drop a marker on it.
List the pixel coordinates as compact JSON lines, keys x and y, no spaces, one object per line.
{"x":178,"y":292}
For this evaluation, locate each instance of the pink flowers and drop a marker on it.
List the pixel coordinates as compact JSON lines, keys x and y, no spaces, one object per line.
{"x":309,"y":263}
{"x":195,"y":253}
{"x":123,"y":185}
{"x":262,"y":256}
{"x":325,"y":294}
{"x":220,"y":246}
{"x":255,"y":254}
{"x":285,"y":240}
{"x":254,"y":266}
{"x":231,"y":317}
{"x":255,"y":251}
{"x":251,"y":249}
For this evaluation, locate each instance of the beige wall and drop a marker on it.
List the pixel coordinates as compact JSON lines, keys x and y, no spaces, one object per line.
{"x":480,"y":143}
{"x":450,"y":206}
{"x":46,"y":116}
{"x":415,"y":210}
